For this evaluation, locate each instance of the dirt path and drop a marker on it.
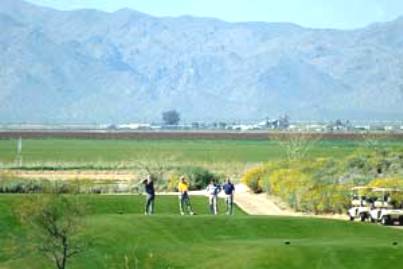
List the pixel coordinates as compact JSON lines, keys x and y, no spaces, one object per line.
{"x":257,"y":204}
{"x":261,"y":204}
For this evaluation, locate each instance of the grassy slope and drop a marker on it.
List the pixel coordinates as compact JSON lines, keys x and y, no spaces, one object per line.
{"x":167,"y":240}
{"x":198,"y":151}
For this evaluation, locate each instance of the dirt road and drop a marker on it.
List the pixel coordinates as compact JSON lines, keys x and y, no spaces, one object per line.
{"x":261,"y":204}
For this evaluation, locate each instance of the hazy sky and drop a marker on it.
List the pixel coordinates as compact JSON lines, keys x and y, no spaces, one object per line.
{"x":344,"y":14}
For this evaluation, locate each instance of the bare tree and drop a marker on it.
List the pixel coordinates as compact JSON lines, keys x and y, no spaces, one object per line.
{"x":373,"y":141}
{"x":157,"y":166}
{"x":54,"y":222}
{"x":296,"y":145}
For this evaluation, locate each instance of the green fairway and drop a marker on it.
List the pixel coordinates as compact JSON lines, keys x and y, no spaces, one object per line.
{"x":123,"y":153}
{"x":121,"y":234}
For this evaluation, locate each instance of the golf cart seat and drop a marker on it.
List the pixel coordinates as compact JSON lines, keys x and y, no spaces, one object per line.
{"x":356,"y":203}
{"x":381,"y":204}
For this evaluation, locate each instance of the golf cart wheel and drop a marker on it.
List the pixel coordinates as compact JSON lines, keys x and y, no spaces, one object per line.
{"x":372,"y":220}
{"x":351,"y":218}
{"x":363,"y":217}
{"x":385,"y":220}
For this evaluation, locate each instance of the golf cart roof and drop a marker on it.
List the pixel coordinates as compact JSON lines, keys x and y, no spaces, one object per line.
{"x":361,"y":188}
{"x":387,"y":190}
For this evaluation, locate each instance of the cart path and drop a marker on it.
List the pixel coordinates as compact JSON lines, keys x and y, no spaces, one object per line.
{"x":262,"y":204}
{"x":257,"y":204}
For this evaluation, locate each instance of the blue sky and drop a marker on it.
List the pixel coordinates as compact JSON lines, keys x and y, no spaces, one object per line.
{"x":341,"y":14}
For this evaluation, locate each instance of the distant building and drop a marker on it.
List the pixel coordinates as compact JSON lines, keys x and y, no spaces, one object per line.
{"x":362,"y":127}
{"x":135,"y":126}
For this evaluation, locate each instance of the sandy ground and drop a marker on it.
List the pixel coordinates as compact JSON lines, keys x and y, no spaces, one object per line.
{"x":262,"y":204}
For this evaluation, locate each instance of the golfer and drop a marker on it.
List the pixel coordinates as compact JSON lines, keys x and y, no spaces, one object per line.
{"x":150,"y":195}
{"x":229,"y":189}
{"x":184,"y":200}
{"x":213,"y":189}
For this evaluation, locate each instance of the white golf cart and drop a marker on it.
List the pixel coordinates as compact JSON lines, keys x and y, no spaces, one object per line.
{"x":387,"y":206}
{"x":360,"y":205}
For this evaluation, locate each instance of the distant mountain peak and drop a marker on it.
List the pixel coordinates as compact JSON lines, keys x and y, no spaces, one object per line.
{"x":126,"y":66}
{"x":128,"y":11}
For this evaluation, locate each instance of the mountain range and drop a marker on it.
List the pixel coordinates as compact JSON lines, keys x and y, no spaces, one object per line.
{"x":88,"y":66}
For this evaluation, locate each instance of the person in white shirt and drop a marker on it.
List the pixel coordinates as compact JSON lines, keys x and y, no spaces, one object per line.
{"x":213,"y":189}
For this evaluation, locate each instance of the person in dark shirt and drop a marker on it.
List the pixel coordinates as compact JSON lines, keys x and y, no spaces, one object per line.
{"x":150,"y":195}
{"x":229,"y":189}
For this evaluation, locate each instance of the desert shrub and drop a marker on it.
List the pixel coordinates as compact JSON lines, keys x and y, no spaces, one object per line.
{"x":309,"y":186}
{"x":63,"y":187}
{"x":329,"y":198}
{"x":173,"y":180}
{"x":323,"y":185}
{"x":198,"y":177}
{"x":22,"y":186}
{"x":358,"y":162}
{"x":253,"y":178}
{"x":291,"y":185}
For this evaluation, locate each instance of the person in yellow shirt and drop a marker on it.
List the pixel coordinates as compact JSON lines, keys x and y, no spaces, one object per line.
{"x":184,"y":200}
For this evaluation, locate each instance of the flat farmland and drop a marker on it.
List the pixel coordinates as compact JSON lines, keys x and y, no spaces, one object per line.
{"x":228,"y":153}
{"x":183,"y":150}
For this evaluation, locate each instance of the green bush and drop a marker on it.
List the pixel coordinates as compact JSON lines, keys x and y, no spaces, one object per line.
{"x":22,"y":186}
{"x":60,"y":186}
{"x":198,"y":177}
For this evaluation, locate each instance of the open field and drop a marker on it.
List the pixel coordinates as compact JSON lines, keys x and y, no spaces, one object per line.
{"x":166,"y":240}
{"x":189,"y":134}
{"x":123,"y":156}
{"x":118,"y":154}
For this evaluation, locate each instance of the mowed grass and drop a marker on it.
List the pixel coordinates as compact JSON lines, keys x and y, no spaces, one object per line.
{"x":121,"y":235}
{"x":178,"y":151}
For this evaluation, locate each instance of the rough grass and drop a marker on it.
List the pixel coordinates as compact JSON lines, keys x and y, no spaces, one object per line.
{"x":122,"y":235}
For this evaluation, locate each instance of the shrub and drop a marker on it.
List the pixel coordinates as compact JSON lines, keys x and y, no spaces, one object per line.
{"x":323,"y":185}
{"x":387,"y":182}
{"x":253,"y":178}
{"x":76,"y":186}
{"x":304,"y":185}
{"x":22,"y":186}
{"x":173,"y":180}
{"x":198,"y":177}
